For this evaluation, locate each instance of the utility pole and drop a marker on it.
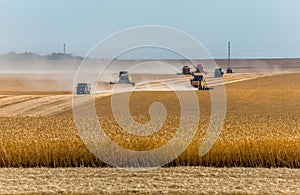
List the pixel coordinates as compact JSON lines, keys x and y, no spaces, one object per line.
{"x":228,"y":61}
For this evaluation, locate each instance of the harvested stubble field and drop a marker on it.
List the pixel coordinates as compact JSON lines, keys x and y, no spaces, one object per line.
{"x":172,"y":180}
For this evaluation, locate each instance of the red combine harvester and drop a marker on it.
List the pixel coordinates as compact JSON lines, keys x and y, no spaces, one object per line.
{"x":229,"y":70}
{"x":186,"y":70}
{"x":199,"y":69}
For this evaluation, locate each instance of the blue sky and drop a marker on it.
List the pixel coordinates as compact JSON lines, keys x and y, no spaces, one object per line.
{"x":256,"y":28}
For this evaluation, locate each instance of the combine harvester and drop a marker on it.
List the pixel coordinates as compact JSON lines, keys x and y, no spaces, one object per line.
{"x":219,"y":72}
{"x":199,"y":82}
{"x":124,"y":78}
{"x":229,"y":70}
{"x":199,"y":69}
{"x":186,"y":70}
{"x":83,"y":88}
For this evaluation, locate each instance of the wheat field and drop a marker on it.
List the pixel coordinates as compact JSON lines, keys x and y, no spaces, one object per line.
{"x":261,"y":129}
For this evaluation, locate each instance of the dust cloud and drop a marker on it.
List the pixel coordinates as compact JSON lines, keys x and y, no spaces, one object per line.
{"x":54,"y":75}
{"x":37,"y":74}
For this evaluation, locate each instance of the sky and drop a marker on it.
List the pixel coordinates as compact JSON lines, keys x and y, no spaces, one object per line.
{"x":255,"y":28}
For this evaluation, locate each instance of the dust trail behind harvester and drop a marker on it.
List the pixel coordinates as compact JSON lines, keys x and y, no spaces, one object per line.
{"x":38,"y":74}
{"x":58,"y":75}
{"x":149,"y":75}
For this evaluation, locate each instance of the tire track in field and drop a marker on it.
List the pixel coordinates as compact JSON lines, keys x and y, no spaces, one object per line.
{"x":183,"y":83}
{"x":56,"y":108}
{"x":10,"y":100}
{"x":4,"y":96}
{"x":36,"y":105}
{"x":48,"y":105}
{"x":21,"y":108}
{"x":18,"y":102}
{"x":236,"y":78}
{"x":155,"y":85}
{"x":180,"y":83}
{"x":42,"y":109}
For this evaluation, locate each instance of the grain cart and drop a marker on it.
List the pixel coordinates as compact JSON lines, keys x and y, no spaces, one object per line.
{"x":83,"y":88}
{"x":124,"y":78}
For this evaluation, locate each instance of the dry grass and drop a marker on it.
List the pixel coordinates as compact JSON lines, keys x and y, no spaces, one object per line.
{"x":261,"y":129}
{"x":174,"y":180}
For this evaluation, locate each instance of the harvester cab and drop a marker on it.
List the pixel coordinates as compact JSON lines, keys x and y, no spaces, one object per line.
{"x":124,"y":78}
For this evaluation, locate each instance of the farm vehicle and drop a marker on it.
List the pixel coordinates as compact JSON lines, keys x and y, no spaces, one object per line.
{"x":83,"y":88}
{"x":124,"y":78}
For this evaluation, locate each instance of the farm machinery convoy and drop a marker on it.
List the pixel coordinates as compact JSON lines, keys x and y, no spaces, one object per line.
{"x":124,"y":78}
{"x":186,"y":70}
{"x":197,"y":81}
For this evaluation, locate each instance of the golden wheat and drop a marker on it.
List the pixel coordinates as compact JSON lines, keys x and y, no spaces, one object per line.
{"x":261,"y":129}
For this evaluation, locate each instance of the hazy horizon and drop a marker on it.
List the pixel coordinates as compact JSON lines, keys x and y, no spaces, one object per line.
{"x":73,"y":57}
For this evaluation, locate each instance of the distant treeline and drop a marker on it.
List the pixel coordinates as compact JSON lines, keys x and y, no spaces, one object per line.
{"x":34,"y":56}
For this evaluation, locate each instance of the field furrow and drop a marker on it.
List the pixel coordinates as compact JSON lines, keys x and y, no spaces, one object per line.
{"x":20,"y":108}
{"x":47,"y":105}
{"x":10,"y":100}
{"x":43,"y":110}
